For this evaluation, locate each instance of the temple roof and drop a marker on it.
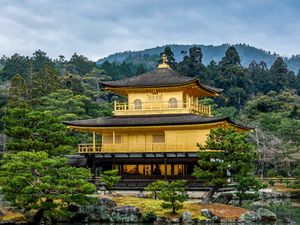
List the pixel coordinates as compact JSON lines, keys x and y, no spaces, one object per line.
{"x":150,"y":120}
{"x":160,"y":77}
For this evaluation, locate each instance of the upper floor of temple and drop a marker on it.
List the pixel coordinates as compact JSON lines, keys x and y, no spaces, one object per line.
{"x":161,"y":91}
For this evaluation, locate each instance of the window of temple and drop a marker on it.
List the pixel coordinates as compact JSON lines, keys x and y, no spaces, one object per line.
{"x":138,"y":104}
{"x":173,"y":103}
{"x":158,"y":138}
{"x":108,"y":139}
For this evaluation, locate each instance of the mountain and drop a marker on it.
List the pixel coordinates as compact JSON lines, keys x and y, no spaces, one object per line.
{"x":247,"y":54}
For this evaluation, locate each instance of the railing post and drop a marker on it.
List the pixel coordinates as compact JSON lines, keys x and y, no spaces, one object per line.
{"x":115,"y":105}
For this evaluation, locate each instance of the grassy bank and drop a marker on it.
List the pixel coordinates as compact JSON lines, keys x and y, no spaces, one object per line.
{"x":226,"y":212}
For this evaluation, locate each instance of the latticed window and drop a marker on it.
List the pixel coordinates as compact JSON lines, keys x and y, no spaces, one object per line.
{"x":138,"y":104}
{"x":173,"y":103}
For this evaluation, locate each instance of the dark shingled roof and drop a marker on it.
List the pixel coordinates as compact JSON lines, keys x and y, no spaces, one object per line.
{"x":163,"y":77}
{"x":149,"y":120}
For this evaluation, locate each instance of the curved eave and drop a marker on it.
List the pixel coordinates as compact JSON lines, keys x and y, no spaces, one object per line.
{"x":108,"y":85}
{"x":75,"y":124}
{"x":210,"y":90}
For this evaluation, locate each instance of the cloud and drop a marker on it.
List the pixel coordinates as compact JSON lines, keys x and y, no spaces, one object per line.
{"x":98,"y":28}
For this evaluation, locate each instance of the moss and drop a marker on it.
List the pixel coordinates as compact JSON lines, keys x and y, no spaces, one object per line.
{"x":12,"y":216}
{"x":146,"y":205}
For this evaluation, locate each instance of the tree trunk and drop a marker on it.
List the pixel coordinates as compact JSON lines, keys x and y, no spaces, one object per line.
{"x":210,"y":194}
{"x":38,"y":217}
{"x":240,"y":201}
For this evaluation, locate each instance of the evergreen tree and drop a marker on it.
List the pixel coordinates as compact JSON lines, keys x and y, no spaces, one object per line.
{"x":16,"y":64}
{"x":191,"y":65}
{"x":45,"y":82}
{"x":29,"y":130}
{"x":64,"y":105}
{"x":39,"y":60}
{"x":226,"y":155}
{"x":281,"y":78}
{"x":110,"y":178}
{"x":80,"y":64}
{"x":32,"y":180}
{"x":231,"y":57}
{"x":173,"y":194}
{"x":18,"y":92}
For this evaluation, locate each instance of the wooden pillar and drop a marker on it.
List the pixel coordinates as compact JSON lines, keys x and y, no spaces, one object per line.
{"x":113,"y":161}
{"x":166,"y":170}
{"x":94,"y":141}
{"x":94,"y":167}
{"x":151,"y":172}
{"x":115,"y":105}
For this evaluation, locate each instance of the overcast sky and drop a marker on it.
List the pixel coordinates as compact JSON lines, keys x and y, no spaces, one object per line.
{"x":96,"y":28}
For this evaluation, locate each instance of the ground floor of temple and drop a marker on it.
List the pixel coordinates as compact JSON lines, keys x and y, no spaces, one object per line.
{"x":139,"y":170}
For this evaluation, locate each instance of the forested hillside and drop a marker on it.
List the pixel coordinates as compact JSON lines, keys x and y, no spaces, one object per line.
{"x":247,"y":54}
{"x":38,"y":92}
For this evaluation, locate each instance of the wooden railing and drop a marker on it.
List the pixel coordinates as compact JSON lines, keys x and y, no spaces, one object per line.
{"x":146,"y":148}
{"x":89,"y":148}
{"x":194,"y":108}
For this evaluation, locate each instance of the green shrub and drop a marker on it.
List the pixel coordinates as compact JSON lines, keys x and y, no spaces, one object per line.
{"x":271,"y":173}
{"x":149,"y":217}
{"x":271,"y":182}
{"x":110,"y":178}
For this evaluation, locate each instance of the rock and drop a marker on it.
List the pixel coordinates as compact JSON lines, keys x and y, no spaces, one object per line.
{"x":287,"y":220}
{"x":101,"y":211}
{"x":223,"y":198}
{"x":175,"y":220}
{"x":216,"y":219}
{"x":210,"y":215}
{"x":141,"y":195}
{"x":79,"y":218}
{"x":266,"y":215}
{"x":259,"y":204}
{"x":2,"y":213}
{"x":126,"y":214}
{"x":249,"y":217}
{"x":161,"y":220}
{"x":207,"y":213}
{"x":186,"y":218}
{"x":149,"y":217}
{"x":8,"y":222}
{"x":261,"y":215}
{"x":270,"y":193}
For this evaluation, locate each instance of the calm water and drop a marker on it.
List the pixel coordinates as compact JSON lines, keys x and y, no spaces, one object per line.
{"x":283,"y":209}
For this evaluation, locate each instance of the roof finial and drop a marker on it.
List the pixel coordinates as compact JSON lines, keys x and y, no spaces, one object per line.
{"x":164,"y":60}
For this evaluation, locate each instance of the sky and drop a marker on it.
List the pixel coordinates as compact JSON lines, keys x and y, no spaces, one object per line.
{"x":97,"y":28}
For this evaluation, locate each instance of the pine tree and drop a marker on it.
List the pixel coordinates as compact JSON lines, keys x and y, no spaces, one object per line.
{"x":33,"y":181}
{"x":226,"y":155}
{"x":45,"y":82}
{"x":18,"y":92}
{"x":231,"y":57}
{"x":191,"y":65}
{"x":281,"y":78}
